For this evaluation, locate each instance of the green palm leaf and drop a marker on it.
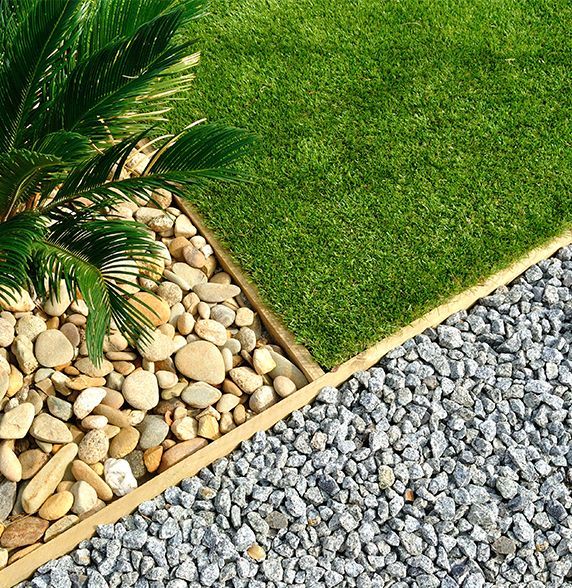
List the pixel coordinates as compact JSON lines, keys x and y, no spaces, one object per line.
{"x":21,"y":174}
{"x":113,"y":19}
{"x":33,"y":54}
{"x":101,"y":96}
{"x":94,"y":257}
{"x":17,"y":238}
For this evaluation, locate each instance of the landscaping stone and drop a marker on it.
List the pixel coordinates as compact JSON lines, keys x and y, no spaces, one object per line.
{"x":52,"y":348}
{"x":50,"y":429}
{"x":141,"y":390}
{"x":201,"y":361}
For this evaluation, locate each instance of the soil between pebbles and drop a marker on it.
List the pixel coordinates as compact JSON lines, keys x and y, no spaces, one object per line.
{"x":450,"y":464}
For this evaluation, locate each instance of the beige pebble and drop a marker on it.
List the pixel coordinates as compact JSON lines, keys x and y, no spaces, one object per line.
{"x":284,"y":386}
{"x":226,"y":423}
{"x":239,"y":414}
{"x":263,"y":361}
{"x":56,"y":506}
{"x":227,"y":403}
{"x":185,"y":428}
{"x":244,"y":317}
{"x":94,"y":421}
{"x":208,"y":427}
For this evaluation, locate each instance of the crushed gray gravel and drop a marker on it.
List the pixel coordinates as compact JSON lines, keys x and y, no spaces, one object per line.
{"x":448,"y":465}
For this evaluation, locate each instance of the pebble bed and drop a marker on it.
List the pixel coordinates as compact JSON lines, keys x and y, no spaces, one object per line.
{"x":448,"y":465}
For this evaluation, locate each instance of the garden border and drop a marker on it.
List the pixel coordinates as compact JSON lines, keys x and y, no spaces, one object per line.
{"x":24,"y":567}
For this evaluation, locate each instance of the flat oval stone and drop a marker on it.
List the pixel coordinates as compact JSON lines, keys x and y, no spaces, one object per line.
{"x":23,"y":532}
{"x":155,"y":309}
{"x":180,"y":451}
{"x":53,"y":348}
{"x":124,"y":442}
{"x":153,"y":431}
{"x":16,"y":423}
{"x":49,"y":429}
{"x":60,"y":526}
{"x":201,"y":361}
{"x":141,"y":390}
{"x":44,"y":483}
{"x":191,"y":275}
{"x":212,"y":331}
{"x":211,"y":292}
{"x":56,"y":506}
{"x":200,"y":395}
{"x":86,"y":366}
{"x":82,"y":472}
{"x":284,"y":367}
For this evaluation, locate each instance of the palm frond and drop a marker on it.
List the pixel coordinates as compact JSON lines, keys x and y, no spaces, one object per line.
{"x":95,"y":258}
{"x":21,"y":175}
{"x":113,"y":19}
{"x":74,"y":148}
{"x":203,"y":152}
{"x":17,"y":238}
{"x":101,"y":96}
{"x":38,"y":44}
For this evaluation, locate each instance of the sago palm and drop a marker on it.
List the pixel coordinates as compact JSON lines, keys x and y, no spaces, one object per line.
{"x":82,"y":82}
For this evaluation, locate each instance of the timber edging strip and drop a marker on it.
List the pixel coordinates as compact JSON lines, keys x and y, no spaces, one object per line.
{"x":23,"y":568}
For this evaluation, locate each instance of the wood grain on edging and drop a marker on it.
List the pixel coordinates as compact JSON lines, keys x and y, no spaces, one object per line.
{"x":283,"y":337}
{"x":24,"y":567}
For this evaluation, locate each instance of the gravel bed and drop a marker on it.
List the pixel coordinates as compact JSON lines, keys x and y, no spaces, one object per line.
{"x":449,"y":464}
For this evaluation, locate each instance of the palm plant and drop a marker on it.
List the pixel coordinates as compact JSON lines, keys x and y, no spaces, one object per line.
{"x":82,"y":83}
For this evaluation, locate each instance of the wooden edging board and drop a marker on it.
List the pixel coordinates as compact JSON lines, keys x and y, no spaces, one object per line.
{"x":24,"y":567}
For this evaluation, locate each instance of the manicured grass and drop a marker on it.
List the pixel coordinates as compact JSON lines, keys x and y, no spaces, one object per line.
{"x":406,"y":149}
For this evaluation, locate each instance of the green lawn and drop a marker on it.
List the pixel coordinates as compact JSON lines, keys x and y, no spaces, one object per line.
{"x":406,"y":149}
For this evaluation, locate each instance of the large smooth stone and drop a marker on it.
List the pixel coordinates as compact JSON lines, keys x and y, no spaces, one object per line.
{"x":10,"y":466}
{"x":153,"y":431}
{"x":179,"y":451}
{"x":56,"y":506}
{"x":82,"y":472}
{"x":201,"y":361}
{"x":158,"y":347}
{"x":141,"y":390}
{"x":124,"y":442}
{"x":58,"y":302}
{"x":16,"y":423}
{"x":155,"y":309}
{"x":201,"y":395}
{"x":87,"y":400}
{"x":86,"y":366}
{"x":23,"y":532}
{"x":44,"y":483}
{"x":53,"y":348}
{"x":211,"y":292}
{"x":49,"y":429}
{"x":212,"y":331}
{"x":284,"y":367}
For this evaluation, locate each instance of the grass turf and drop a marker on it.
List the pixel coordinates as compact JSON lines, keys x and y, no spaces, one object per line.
{"x":406,"y":149}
